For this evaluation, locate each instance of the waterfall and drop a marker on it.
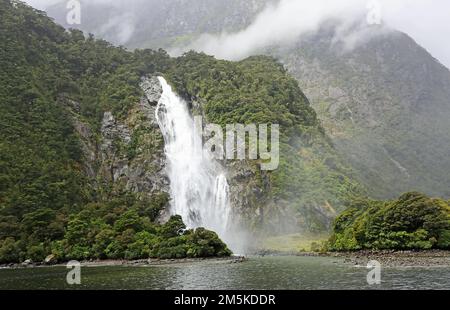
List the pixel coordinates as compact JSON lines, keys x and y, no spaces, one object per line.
{"x":198,"y":186}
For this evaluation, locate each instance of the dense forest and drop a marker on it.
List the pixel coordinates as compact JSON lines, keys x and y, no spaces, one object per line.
{"x":47,"y":203}
{"x":412,"y":222}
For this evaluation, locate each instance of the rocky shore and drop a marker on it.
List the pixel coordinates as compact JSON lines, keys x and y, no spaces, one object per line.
{"x":389,"y":259}
{"x":131,"y":263}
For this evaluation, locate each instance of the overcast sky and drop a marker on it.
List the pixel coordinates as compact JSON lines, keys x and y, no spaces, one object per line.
{"x":427,"y":21}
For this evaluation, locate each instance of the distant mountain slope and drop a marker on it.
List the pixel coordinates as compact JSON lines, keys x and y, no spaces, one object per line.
{"x":386,"y":105}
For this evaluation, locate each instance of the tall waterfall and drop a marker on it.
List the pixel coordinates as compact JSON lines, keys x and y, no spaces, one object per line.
{"x":198,"y":186}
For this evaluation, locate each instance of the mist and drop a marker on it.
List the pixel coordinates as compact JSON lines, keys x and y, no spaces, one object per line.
{"x":277,"y":25}
{"x":426,"y":21}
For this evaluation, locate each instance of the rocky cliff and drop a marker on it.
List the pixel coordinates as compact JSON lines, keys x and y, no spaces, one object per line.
{"x":126,"y":155}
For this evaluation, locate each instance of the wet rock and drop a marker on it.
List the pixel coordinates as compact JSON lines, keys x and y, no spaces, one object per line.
{"x":50,"y":259}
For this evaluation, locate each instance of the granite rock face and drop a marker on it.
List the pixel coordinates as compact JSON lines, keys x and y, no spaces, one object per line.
{"x":132,"y":150}
{"x":127,"y":154}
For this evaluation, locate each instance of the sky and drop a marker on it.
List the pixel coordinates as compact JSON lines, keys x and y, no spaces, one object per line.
{"x":426,"y":21}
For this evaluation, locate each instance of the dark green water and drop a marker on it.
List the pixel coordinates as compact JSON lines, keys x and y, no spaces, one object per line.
{"x":258,"y":273}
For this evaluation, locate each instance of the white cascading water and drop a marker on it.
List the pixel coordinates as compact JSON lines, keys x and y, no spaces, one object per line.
{"x":199,"y":189}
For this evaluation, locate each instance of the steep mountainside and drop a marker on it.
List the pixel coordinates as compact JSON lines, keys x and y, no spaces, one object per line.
{"x":385,"y":103}
{"x":80,"y":160}
{"x":312,"y":183}
{"x":82,"y":165}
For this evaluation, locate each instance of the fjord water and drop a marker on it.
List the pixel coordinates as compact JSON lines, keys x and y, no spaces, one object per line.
{"x":198,"y":186}
{"x":258,"y":273}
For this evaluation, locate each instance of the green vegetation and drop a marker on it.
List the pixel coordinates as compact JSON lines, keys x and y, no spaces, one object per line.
{"x":48,"y":203}
{"x":53,"y":80}
{"x":96,"y":233}
{"x":255,"y":90}
{"x":414,"y":221}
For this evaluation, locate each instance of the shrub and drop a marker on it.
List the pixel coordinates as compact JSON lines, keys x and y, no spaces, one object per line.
{"x":9,"y":251}
{"x":414,"y":221}
{"x":173,"y":227}
{"x":128,"y":220}
{"x":444,"y":240}
{"x":175,"y":247}
{"x":37,"y":253}
{"x":205,"y":243}
{"x":102,"y":240}
{"x":78,"y":252}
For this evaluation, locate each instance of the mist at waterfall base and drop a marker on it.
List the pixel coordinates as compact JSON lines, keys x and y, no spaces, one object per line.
{"x":198,"y":185}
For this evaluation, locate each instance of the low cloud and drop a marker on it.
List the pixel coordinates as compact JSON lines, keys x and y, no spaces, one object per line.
{"x":278,"y":24}
{"x":41,"y":4}
{"x":424,"y":20}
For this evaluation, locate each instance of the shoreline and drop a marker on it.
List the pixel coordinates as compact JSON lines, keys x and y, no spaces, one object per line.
{"x":387,"y":258}
{"x":398,"y":259}
{"x":132,"y":263}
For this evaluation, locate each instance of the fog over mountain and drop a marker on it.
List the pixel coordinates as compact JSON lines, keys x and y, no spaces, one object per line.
{"x":122,"y":21}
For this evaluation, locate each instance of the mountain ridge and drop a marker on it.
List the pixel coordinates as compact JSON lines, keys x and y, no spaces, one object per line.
{"x":384,"y":102}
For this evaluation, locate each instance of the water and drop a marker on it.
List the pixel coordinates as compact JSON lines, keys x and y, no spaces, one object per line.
{"x":294,"y":273}
{"x":198,"y":186}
